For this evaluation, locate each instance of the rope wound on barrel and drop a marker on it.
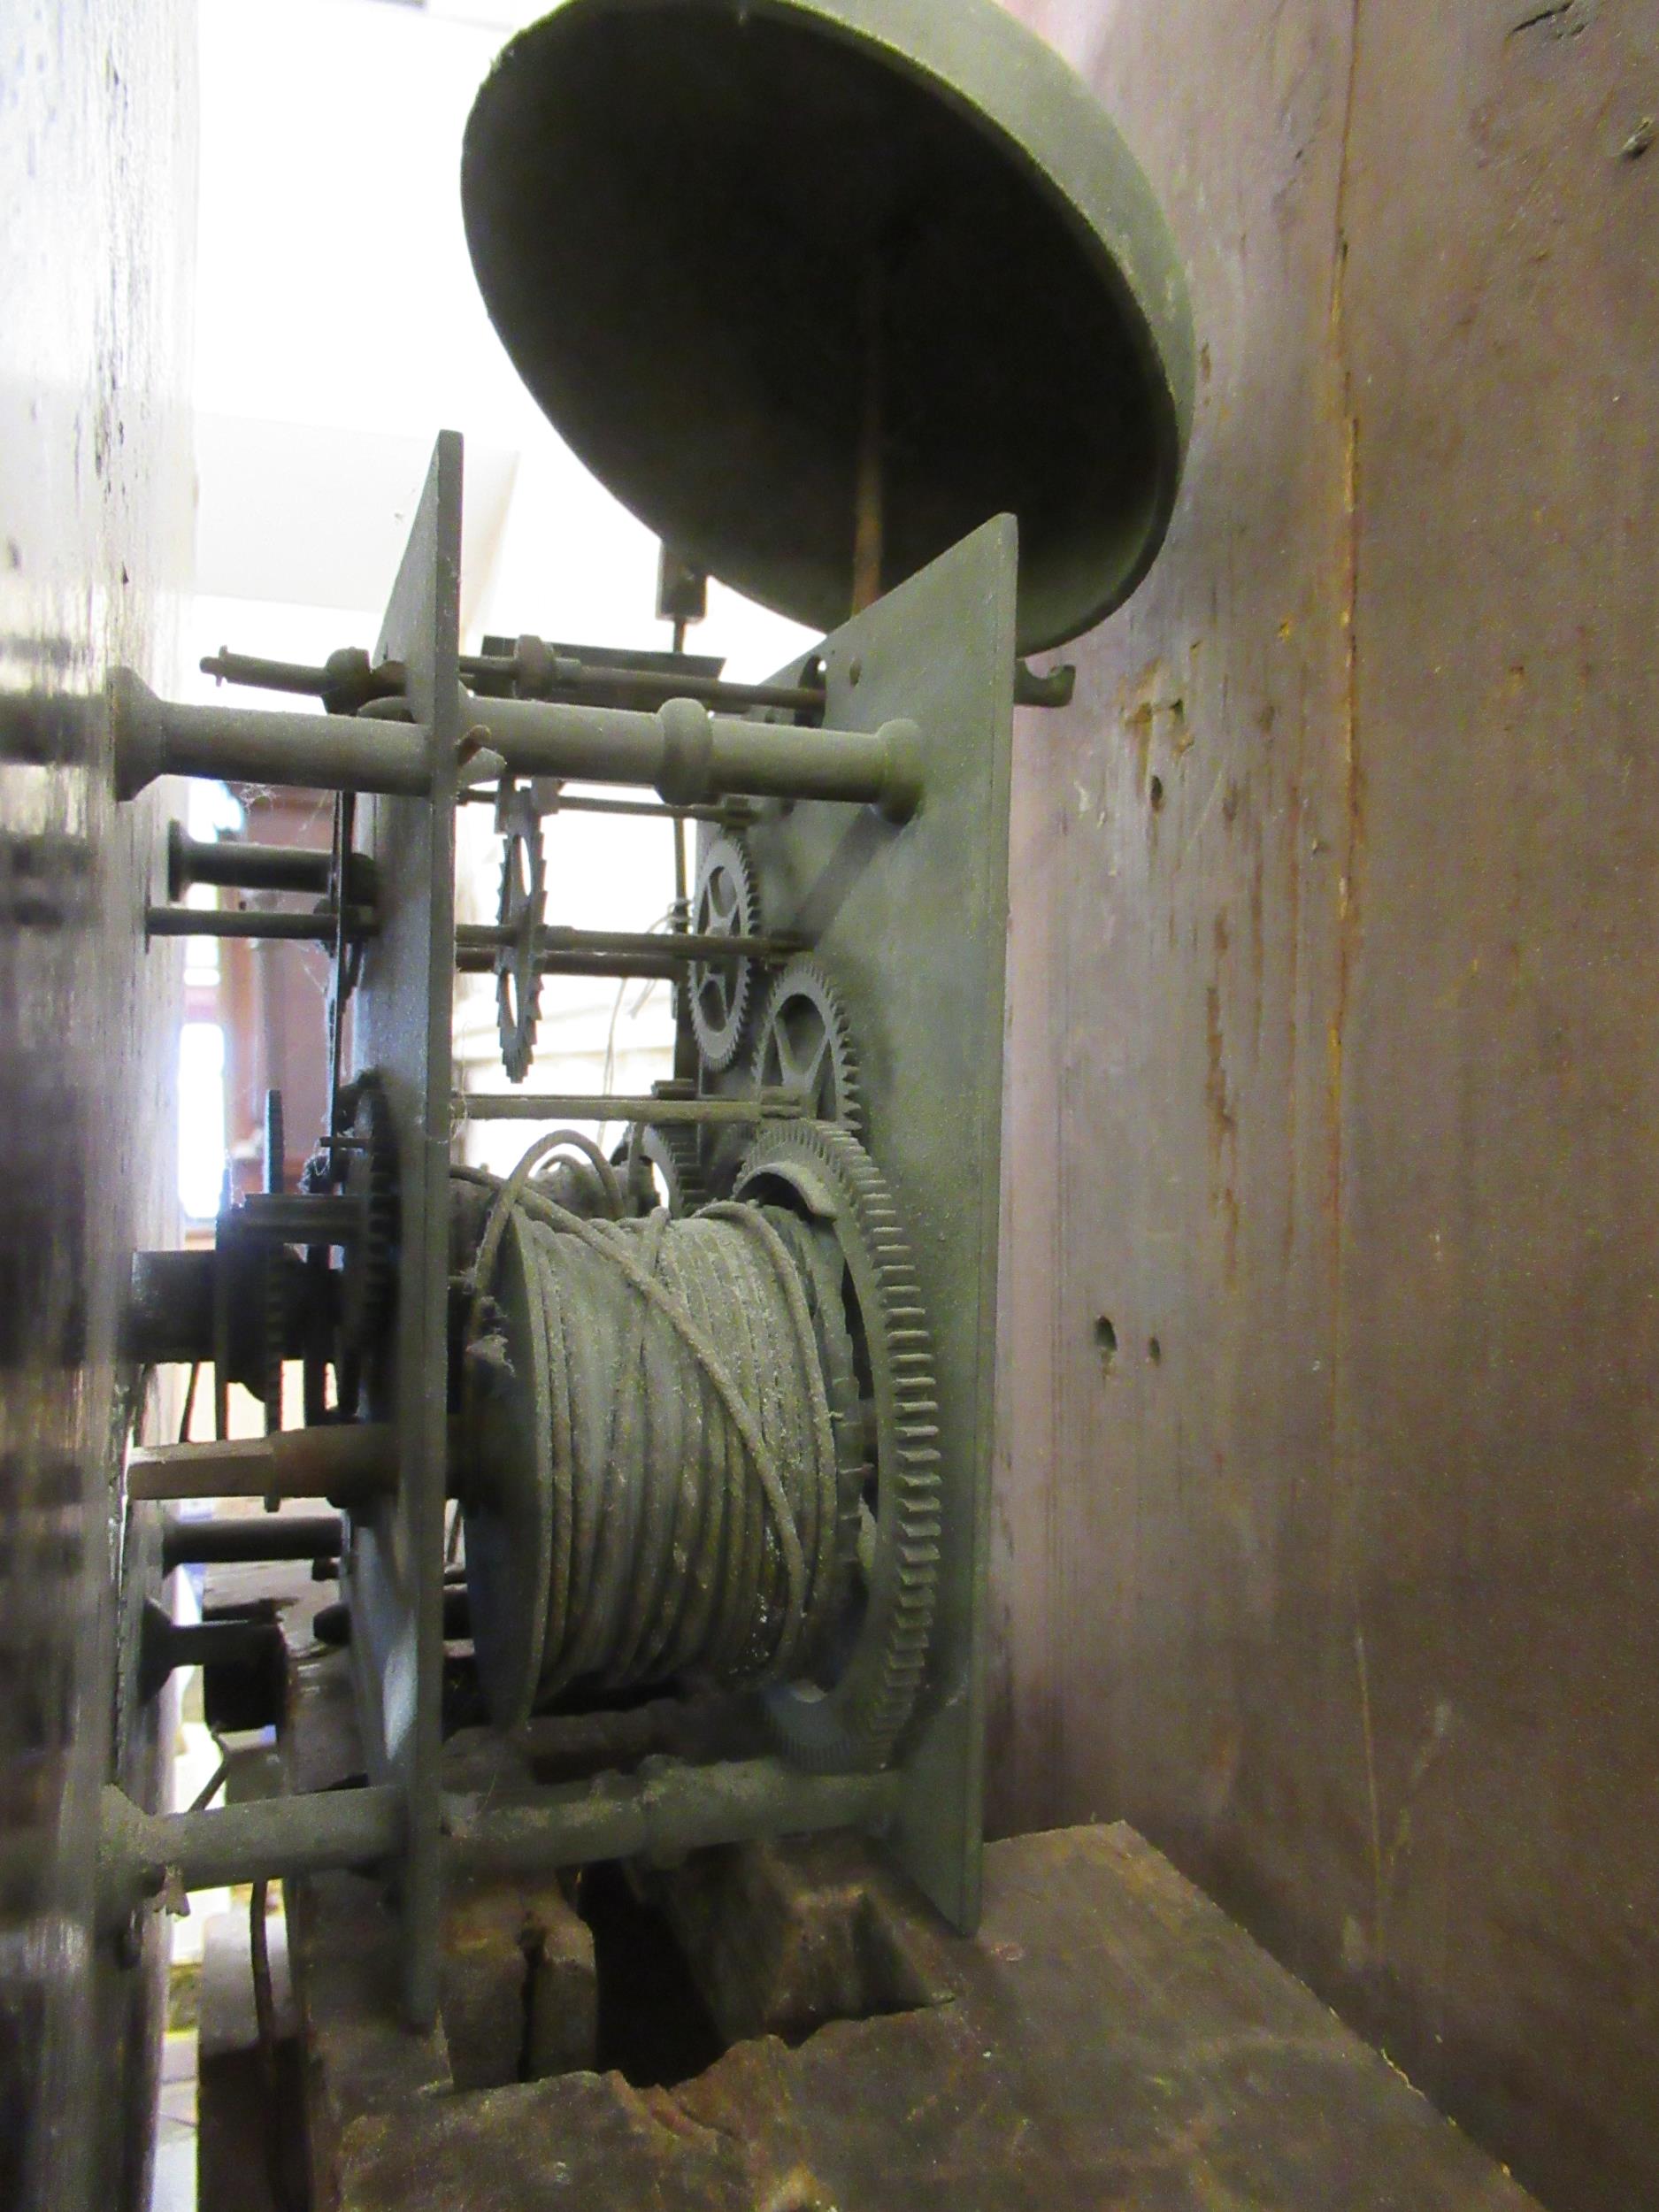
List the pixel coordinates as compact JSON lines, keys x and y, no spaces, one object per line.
{"x":692,"y":1462}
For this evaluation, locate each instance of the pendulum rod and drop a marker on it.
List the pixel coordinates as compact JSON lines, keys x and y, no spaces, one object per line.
{"x":869,"y":517}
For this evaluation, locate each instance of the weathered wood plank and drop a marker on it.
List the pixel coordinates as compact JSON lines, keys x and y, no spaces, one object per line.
{"x":1110,"y":2039}
{"x":1333,"y":947}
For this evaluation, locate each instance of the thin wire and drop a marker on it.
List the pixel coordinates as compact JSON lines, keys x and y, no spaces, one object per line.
{"x":189,"y":1402}
{"x":607,"y":1076}
{"x":205,"y":1796}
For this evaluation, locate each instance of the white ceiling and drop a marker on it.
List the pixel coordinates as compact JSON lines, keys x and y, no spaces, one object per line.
{"x":318,"y":513}
{"x":339,"y":330}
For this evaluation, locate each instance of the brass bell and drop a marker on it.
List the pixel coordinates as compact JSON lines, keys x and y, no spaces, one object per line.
{"x":818,"y":287}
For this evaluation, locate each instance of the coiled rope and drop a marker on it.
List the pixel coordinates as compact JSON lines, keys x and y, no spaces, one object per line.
{"x":695,"y":1499}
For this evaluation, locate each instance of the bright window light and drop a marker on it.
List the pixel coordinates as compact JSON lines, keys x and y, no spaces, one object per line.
{"x":212,"y":809}
{"x":200,"y":1118}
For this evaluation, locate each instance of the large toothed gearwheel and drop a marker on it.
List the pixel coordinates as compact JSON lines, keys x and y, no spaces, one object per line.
{"x":520,"y":912}
{"x":664,"y":1168}
{"x":850,"y":1714}
{"x":803,"y":1043}
{"x":722,"y":991}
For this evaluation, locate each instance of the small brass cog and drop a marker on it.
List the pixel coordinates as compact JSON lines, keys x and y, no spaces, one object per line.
{"x":520,"y":910}
{"x":722,"y":992}
{"x":803,"y":1042}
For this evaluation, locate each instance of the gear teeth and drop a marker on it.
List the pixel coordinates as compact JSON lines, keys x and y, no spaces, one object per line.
{"x":858,"y":1722}
{"x":841,"y":1377}
{"x":806,"y":977}
{"x":674,"y":1153}
{"x":517,"y":981}
{"x":372,"y":1175}
{"x":720,"y":1043}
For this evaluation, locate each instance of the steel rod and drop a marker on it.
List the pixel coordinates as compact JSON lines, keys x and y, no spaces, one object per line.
{"x":661,"y":968}
{"x":686,"y":754}
{"x":735,"y":816}
{"x":638,"y":688}
{"x":273,"y":928}
{"x":560,"y":676}
{"x":689,"y":755}
{"x":663,"y":1809}
{"x":663,"y":1112}
{"x":255,"y":673}
{"x":271,"y":1838}
{"x":217,"y":1643}
{"x":162,"y":737}
{"x":342,"y":1461}
{"x":236,"y":864}
{"x":486,"y":936}
{"x":249,"y":1538}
